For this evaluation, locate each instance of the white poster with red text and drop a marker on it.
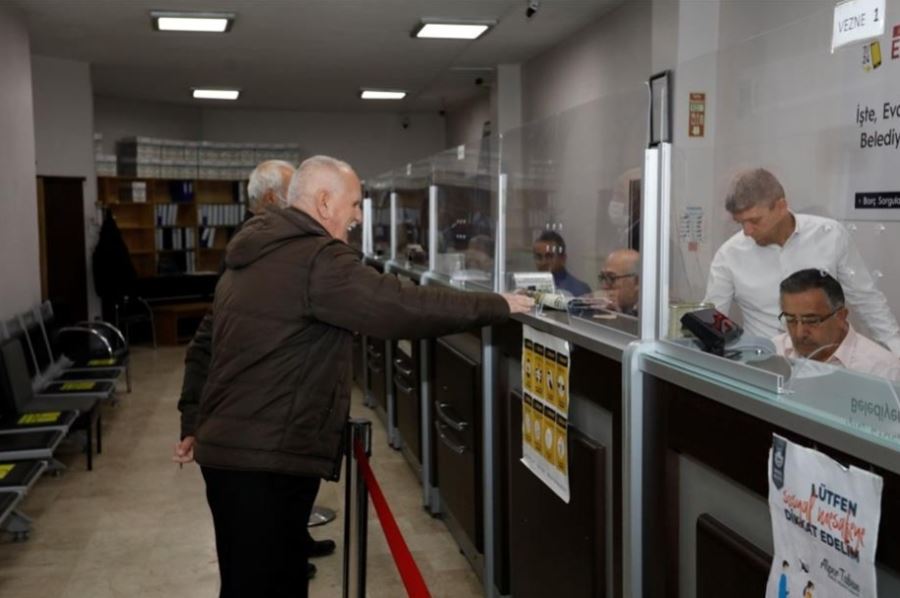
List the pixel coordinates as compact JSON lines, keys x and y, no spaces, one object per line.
{"x":824,"y":525}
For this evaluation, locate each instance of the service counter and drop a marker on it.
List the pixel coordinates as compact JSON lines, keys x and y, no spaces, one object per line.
{"x":700,"y":487}
{"x":545,"y":546}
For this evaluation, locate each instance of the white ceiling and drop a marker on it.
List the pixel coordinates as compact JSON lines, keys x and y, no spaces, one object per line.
{"x":310,"y":55}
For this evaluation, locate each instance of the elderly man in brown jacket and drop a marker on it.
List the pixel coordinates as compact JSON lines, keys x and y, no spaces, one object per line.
{"x":277,"y":398}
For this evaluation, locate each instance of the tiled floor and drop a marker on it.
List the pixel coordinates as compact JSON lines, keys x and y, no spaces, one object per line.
{"x":139,"y":526}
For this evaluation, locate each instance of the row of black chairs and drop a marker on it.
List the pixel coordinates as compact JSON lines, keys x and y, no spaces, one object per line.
{"x":53,"y":380}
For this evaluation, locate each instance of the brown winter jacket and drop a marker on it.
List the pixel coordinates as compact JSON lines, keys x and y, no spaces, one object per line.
{"x":278,"y":392}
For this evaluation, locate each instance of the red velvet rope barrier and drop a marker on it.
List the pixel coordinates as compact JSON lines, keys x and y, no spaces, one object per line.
{"x":409,"y":571}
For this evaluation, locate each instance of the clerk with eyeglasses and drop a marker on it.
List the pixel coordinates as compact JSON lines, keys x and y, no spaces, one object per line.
{"x":814,"y":313}
{"x":550,"y":256}
{"x":775,"y":242}
{"x":620,"y":281}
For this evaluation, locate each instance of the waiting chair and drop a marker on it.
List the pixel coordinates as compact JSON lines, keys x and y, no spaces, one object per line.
{"x":18,"y":398}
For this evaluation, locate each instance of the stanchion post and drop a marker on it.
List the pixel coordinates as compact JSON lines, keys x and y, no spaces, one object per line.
{"x":356,"y":510}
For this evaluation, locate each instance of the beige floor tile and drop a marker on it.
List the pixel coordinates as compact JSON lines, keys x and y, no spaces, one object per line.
{"x":138,"y":526}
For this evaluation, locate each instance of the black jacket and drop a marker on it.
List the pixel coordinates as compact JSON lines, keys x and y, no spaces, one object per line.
{"x":278,"y":393}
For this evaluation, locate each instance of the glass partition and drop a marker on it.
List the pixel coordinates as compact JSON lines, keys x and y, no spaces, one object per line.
{"x":411,"y":186}
{"x":379,"y":189}
{"x":355,"y":237}
{"x":466,"y":180}
{"x":784,"y":207}
{"x":574,"y":187}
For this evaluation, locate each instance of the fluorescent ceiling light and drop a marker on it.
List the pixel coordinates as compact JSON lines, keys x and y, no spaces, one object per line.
{"x":203,"y":22}
{"x":382,"y":94}
{"x":429,"y":29}
{"x":216,"y":94}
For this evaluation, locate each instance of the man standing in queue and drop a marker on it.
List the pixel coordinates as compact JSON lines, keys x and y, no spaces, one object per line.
{"x":277,"y":399}
{"x":267,"y":186}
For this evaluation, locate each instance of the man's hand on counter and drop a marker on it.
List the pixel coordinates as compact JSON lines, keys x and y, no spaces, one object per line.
{"x":518,"y":304}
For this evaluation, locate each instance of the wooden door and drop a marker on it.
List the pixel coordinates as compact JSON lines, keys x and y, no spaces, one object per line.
{"x":63,"y":264}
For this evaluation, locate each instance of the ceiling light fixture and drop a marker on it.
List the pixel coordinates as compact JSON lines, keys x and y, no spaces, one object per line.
{"x":215,"y":94}
{"x":382,"y":94}
{"x":200,"y":22}
{"x":447,"y":29}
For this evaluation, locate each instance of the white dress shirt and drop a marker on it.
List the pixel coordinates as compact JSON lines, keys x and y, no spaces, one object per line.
{"x":750,"y":275}
{"x":855,"y":352}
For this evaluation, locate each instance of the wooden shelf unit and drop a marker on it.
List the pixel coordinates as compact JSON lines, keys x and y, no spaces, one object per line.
{"x":137,"y":220}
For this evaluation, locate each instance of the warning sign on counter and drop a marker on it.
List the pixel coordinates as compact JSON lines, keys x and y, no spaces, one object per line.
{"x":545,"y":409}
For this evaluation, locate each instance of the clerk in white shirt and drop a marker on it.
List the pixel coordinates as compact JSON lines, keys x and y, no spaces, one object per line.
{"x":775,"y":243}
{"x":813,"y":311}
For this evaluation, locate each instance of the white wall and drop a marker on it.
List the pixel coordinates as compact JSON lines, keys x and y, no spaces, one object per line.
{"x":584,"y":104}
{"x":116,"y":118}
{"x":20,"y":284}
{"x":609,"y":55}
{"x":465,"y":122}
{"x":63,"y":130}
{"x":371,"y":142}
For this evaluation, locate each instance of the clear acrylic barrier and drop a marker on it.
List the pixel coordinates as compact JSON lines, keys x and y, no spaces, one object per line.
{"x":573,"y":206}
{"x":778,"y":99}
{"x":411,"y":186}
{"x":379,"y":189}
{"x":466,"y":180}
{"x":355,"y":237}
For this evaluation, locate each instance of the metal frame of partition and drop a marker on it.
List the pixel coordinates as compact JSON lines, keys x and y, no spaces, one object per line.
{"x":746,"y":388}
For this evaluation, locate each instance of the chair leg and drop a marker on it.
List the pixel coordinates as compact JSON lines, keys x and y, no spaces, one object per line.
{"x":128,"y":375}
{"x":153,"y":330}
{"x":89,"y":444}
{"x":99,"y":433}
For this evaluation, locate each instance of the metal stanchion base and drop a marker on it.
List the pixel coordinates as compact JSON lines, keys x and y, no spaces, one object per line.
{"x":320,"y":516}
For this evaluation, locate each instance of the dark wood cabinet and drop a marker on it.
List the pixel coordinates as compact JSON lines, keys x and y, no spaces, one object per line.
{"x":557,"y":549}
{"x":376,"y":362}
{"x":457,"y":429}
{"x":406,"y":393}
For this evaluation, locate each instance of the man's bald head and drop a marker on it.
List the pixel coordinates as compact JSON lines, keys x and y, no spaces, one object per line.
{"x":329,"y":191}
{"x":621,"y":280}
{"x":268,"y":185}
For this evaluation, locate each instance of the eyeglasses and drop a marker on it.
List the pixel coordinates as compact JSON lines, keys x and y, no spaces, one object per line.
{"x":610,"y":278}
{"x":792,"y":320}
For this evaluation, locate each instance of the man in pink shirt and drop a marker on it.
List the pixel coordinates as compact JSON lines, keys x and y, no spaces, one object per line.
{"x":815,"y":317}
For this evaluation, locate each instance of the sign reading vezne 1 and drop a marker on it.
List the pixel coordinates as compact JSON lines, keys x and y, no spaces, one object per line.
{"x":856,"y":20}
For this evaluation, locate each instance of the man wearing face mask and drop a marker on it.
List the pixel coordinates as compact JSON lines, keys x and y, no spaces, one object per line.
{"x":775,"y":242}
{"x":814,"y":313}
{"x":275,"y":405}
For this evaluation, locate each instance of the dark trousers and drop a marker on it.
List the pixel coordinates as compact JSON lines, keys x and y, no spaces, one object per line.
{"x":261,"y":534}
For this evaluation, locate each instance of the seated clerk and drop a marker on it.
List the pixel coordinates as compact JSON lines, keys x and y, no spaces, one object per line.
{"x":815,"y":315}
{"x":621,"y":280}
{"x":550,"y":256}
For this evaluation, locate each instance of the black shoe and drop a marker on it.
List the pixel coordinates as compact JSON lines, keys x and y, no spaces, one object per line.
{"x":321,"y":548}
{"x":310,"y":570}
